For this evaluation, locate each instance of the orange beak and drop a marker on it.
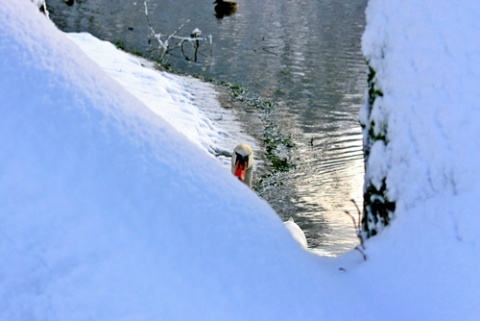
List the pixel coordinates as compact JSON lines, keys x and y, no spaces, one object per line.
{"x":240,"y":170}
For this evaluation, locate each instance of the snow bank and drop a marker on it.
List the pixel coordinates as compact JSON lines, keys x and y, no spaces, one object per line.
{"x":427,"y":61}
{"x":108,"y":213}
{"x":189,"y":105}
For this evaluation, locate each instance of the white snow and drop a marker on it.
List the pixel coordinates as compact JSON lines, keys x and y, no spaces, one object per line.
{"x":188,"y":104}
{"x":427,"y":58}
{"x":108,"y":212}
{"x":296,"y":232}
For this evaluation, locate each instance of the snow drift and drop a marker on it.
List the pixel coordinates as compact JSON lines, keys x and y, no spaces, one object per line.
{"x":427,"y":63}
{"x":108,"y":213}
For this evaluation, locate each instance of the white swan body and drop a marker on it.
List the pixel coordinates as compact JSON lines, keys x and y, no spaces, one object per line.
{"x":242,"y":163}
{"x":242,"y":167}
{"x":296,"y":232}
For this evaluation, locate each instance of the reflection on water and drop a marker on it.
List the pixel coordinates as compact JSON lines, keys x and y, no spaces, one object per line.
{"x":303,"y":55}
{"x":332,"y":169}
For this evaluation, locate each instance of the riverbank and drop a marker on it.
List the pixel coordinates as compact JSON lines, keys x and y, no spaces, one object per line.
{"x":108,"y":212}
{"x":188,"y":104}
{"x":306,"y":83}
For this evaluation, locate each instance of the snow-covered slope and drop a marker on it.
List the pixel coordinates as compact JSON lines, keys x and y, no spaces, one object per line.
{"x":108,"y":213}
{"x":427,"y":60}
{"x":186,"y":103}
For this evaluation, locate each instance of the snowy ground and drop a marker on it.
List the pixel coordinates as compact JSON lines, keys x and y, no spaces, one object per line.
{"x":108,"y":212}
{"x":188,"y":104}
{"x":427,"y":59}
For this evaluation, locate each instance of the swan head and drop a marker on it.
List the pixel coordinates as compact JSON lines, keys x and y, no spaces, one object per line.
{"x":242,"y":163}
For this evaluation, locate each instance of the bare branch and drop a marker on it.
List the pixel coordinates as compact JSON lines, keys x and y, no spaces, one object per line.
{"x":168,"y":44}
{"x":359,"y":222}
{"x":360,"y":248}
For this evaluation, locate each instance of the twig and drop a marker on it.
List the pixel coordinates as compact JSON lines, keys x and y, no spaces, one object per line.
{"x":266,"y":49}
{"x":166,"y":46}
{"x":359,"y":222}
{"x":177,"y":30}
{"x":356,"y":224}
{"x":361,"y":252}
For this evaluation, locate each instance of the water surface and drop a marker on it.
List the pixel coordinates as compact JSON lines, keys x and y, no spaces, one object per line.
{"x":304,"y":55}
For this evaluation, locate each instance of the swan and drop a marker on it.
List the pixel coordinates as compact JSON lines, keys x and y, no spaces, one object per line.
{"x":242,"y":163}
{"x":242,"y":167}
{"x":225,"y":8}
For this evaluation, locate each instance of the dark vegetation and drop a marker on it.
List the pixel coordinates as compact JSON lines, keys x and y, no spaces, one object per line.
{"x":378,"y":210}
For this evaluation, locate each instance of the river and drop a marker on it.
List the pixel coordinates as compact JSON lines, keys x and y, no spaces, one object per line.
{"x":302,"y":55}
